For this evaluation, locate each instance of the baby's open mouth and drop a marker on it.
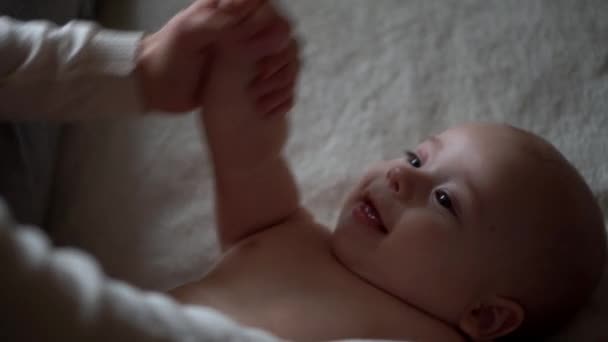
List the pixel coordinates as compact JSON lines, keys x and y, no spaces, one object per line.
{"x":366,"y":211}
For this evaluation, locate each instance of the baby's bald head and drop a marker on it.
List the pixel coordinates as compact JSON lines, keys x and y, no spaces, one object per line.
{"x":559,"y":243}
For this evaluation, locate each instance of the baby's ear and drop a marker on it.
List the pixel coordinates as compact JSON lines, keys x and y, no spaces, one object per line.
{"x":493,"y":318}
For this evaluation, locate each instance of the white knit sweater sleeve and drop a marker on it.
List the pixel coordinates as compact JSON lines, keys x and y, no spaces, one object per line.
{"x":60,"y":294}
{"x":73,"y":72}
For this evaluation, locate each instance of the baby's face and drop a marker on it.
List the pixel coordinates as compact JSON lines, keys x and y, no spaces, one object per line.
{"x":421,"y":226}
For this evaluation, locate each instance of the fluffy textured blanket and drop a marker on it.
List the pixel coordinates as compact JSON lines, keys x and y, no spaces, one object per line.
{"x":51,"y":294}
{"x":378,"y":76}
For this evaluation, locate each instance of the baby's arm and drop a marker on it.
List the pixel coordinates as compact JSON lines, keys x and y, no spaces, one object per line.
{"x":246,"y":132}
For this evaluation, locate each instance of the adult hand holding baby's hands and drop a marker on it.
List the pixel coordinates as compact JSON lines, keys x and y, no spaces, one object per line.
{"x":270,"y":44}
{"x":171,"y":63}
{"x":263,"y":40}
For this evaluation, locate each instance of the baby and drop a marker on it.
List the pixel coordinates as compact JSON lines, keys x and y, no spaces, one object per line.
{"x":481,"y":232}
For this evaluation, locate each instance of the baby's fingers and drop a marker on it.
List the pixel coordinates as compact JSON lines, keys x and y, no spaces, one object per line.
{"x":269,"y":104}
{"x":271,"y":40}
{"x":255,"y":22}
{"x":205,"y":20}
{"x":237,"y":9}
{"x":240,"y":5}
{"x":269,"y":66}
{"x":279,"y":80}
{"x":283,"y":108}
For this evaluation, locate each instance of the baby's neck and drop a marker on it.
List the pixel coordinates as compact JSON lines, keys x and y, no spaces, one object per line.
{"x":413,"y":311}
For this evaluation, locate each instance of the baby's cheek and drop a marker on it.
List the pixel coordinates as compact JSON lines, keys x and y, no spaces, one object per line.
{"x":420,"y":232}
{"x":365,"y":181}
{"x":375,"y":170}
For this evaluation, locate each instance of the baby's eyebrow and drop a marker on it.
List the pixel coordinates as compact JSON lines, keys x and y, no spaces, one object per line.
{"x":433,"y":139}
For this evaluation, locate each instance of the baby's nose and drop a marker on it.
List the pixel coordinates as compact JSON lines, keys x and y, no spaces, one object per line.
{"x":408,"y":183}
{"x":395,"y":179}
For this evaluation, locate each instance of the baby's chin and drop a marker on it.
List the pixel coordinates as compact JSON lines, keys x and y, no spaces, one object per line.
{"x":344,"y":212}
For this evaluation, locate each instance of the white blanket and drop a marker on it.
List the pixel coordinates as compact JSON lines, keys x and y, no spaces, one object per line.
{"x":379,"y":76}
{"x":52,"y":294}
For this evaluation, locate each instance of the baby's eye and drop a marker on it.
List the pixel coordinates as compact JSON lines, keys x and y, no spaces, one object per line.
{"x":413,"y":159}
{"x":444,"y":200}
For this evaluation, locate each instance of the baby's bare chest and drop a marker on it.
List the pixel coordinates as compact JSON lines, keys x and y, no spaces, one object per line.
{"x":279,"y":281}
{"x":288,"y":282}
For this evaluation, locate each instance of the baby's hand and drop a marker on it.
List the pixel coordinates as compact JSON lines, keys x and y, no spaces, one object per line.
{"x":276,"y":56}
{"x":273,"y":89}
{"x":171,"y":63}
{"x":263,"y":42}
{"x":251,"y":83}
